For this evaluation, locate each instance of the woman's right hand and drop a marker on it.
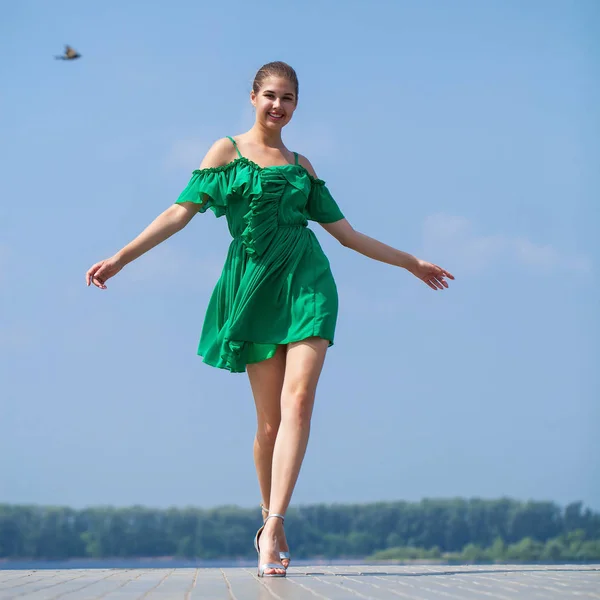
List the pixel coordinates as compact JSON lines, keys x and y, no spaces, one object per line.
{"x":99,"y":273}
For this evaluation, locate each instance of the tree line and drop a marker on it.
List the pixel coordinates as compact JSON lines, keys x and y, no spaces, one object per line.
{"x":453,"y":529}
{"x":572,"y":547}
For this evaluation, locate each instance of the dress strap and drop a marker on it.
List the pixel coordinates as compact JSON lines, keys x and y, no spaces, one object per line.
{"x":235,"y":146}
{"x":295,"y":158}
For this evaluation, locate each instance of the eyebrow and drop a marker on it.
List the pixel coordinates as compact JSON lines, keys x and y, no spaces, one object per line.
{"x":272,"y":92}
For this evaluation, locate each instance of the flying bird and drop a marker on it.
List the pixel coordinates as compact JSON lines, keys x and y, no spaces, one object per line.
{"x":70,"y":54}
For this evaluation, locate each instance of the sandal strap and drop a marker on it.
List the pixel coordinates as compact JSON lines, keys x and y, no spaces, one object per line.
{"x":262,"y":568}
{"x":275,"y":516}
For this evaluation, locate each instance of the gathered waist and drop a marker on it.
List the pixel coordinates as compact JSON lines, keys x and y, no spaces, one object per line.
{"x":279,"y":226}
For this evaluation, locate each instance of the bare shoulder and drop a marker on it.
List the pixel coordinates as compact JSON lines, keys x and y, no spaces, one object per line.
{"x":307,"y":164}
{"x":219,"y":154}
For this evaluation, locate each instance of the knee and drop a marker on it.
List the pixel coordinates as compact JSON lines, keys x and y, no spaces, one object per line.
{"x":266,"y":433}
{"x":298,"y":405}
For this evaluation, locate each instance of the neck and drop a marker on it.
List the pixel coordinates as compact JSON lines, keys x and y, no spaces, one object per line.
{"x":262,"y":136}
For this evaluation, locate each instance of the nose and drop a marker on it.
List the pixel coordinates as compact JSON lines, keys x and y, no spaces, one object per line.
{"x":276,"y":102}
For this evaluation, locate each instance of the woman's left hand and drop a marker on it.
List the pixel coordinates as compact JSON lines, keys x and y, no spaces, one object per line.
{"x":432,"y":275}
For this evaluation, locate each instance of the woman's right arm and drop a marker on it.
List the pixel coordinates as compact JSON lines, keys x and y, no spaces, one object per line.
{"x":172,"y":220}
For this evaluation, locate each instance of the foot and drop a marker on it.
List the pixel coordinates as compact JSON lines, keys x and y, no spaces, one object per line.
{"x":283,"y":547}
{"x":281,"y":540}
{"x":269,"y":546}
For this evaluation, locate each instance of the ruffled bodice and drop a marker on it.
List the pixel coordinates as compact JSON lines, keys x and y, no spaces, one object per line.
{"x":251,"y":198}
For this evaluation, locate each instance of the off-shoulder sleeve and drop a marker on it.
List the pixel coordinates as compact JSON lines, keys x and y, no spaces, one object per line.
{"x":321,"y":206}
{"x":209,"y":189}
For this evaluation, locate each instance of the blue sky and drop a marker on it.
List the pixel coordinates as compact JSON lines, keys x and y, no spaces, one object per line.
{"x":464,"y":132}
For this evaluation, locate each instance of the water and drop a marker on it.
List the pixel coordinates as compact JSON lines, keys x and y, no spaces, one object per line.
{"x":154,"y":563}
{"x":180,"y":563}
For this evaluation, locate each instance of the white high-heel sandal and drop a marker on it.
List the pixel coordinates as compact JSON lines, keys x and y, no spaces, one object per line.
{"x":282,"y":555}
{"x":263,"y":567}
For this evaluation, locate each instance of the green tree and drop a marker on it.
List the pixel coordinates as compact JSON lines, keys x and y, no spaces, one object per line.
{"x":527,"y":550}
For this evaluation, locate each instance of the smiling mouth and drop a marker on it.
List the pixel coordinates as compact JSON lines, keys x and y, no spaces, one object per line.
{"x":276,"y":117}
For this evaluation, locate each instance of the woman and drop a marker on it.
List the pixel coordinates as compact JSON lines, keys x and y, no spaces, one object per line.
{"x":274,"y":309}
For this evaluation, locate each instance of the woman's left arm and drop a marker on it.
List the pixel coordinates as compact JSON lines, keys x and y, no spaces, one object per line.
{"x":430,"y":273}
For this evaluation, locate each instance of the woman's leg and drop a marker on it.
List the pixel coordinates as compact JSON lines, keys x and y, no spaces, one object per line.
{"x":303,"y":364}
{"x":266,"y":381}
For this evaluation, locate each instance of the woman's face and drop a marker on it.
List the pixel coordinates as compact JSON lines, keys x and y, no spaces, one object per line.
{"x":275,"y":102}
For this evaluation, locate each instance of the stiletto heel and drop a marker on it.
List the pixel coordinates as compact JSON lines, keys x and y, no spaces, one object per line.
{"x":263,"y":567}
{"x":257,"y":536}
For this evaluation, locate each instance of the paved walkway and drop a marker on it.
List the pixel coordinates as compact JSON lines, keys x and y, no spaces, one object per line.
{"x":528,"y":582}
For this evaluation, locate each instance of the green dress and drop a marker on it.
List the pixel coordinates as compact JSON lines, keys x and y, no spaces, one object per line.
{"x":276,"y":286}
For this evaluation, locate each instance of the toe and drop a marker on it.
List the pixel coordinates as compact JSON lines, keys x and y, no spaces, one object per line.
{"x":272,"y":571}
